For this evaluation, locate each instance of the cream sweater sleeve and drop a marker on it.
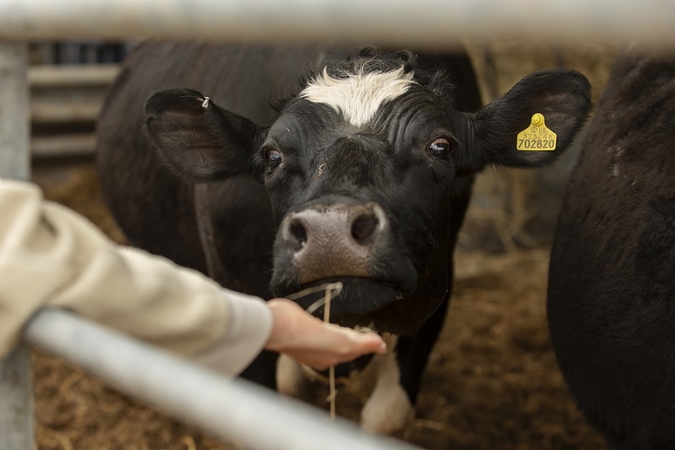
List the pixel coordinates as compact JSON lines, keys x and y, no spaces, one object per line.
{"x":49,"y":255}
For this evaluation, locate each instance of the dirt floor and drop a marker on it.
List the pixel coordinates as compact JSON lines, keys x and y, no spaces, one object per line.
{"x":492,"y":382}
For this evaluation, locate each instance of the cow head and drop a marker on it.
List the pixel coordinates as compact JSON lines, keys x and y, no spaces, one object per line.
{"x":359,"y":168}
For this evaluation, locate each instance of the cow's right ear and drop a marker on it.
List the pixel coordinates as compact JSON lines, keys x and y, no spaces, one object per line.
{"x":199,"y":140}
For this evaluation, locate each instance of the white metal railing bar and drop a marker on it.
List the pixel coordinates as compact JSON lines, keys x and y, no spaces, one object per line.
{"x":16,"y":381}
{"x":430,"y":22}
{"x":231,"y":409}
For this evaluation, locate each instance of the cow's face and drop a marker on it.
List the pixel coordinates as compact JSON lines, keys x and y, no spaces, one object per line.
{"x":359,"y":168}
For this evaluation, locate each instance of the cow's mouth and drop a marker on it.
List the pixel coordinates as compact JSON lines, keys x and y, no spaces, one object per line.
{"x":360,"y":302}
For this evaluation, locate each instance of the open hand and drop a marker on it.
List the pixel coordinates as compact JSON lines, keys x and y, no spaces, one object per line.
{"x":310,"y":341}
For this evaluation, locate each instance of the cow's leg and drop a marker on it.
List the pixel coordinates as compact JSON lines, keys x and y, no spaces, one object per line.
{"x":391,"y":405}
{"x":291,"y":377}
{"x":389,"y":408}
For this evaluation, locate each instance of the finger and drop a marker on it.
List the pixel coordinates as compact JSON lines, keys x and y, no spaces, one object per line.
{"x":371,"y":343}
{"x":366,"y":342}
{"x":327,"y":353}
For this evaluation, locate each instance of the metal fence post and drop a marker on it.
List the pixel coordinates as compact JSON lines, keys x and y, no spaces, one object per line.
{"x":16,"y":375}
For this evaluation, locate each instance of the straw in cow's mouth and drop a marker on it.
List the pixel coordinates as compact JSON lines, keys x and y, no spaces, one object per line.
{"x":332,"y":290}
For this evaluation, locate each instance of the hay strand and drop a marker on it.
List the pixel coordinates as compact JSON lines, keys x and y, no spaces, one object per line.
{"x":331,"y":369}
{"x":331,"y":290}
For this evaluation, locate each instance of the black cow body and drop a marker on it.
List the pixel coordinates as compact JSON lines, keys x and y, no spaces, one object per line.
{"x":611,"y":295}
{"x":362,"y":175}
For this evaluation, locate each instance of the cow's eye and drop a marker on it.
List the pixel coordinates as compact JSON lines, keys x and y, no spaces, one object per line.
{"x":440,"y":148}
{"x":273,"y":159}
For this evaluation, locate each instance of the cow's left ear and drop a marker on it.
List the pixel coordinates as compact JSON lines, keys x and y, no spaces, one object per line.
{"x":561,"y":96}
{"x":199,"y":140}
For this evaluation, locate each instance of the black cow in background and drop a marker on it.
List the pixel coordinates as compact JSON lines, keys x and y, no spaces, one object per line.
{"x":611,"y":294}
{"x":362,"y":174}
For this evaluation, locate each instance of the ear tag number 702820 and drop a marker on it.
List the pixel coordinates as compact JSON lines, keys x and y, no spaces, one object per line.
{"x":537,"y":138}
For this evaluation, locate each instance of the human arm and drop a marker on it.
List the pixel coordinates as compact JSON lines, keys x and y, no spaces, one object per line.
{"x":49,"y":255}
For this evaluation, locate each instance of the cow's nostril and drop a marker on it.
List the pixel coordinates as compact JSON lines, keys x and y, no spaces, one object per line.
{"x":364,"y":226}
{"x":298,"y":232}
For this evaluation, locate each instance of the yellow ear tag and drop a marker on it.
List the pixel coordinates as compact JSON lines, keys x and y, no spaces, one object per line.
{"x":537,"y":138}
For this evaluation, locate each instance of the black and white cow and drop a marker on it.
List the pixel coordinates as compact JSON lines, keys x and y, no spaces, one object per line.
{"x":611,"y":294}
{"x":362,"y":174}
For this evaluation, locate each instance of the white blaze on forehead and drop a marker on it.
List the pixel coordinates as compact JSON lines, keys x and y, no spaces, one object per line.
{"x":358,"y":96}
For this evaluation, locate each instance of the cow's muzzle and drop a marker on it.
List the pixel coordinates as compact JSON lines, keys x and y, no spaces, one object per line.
{"x":346,"y":242}
{"x":339,"y":240}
